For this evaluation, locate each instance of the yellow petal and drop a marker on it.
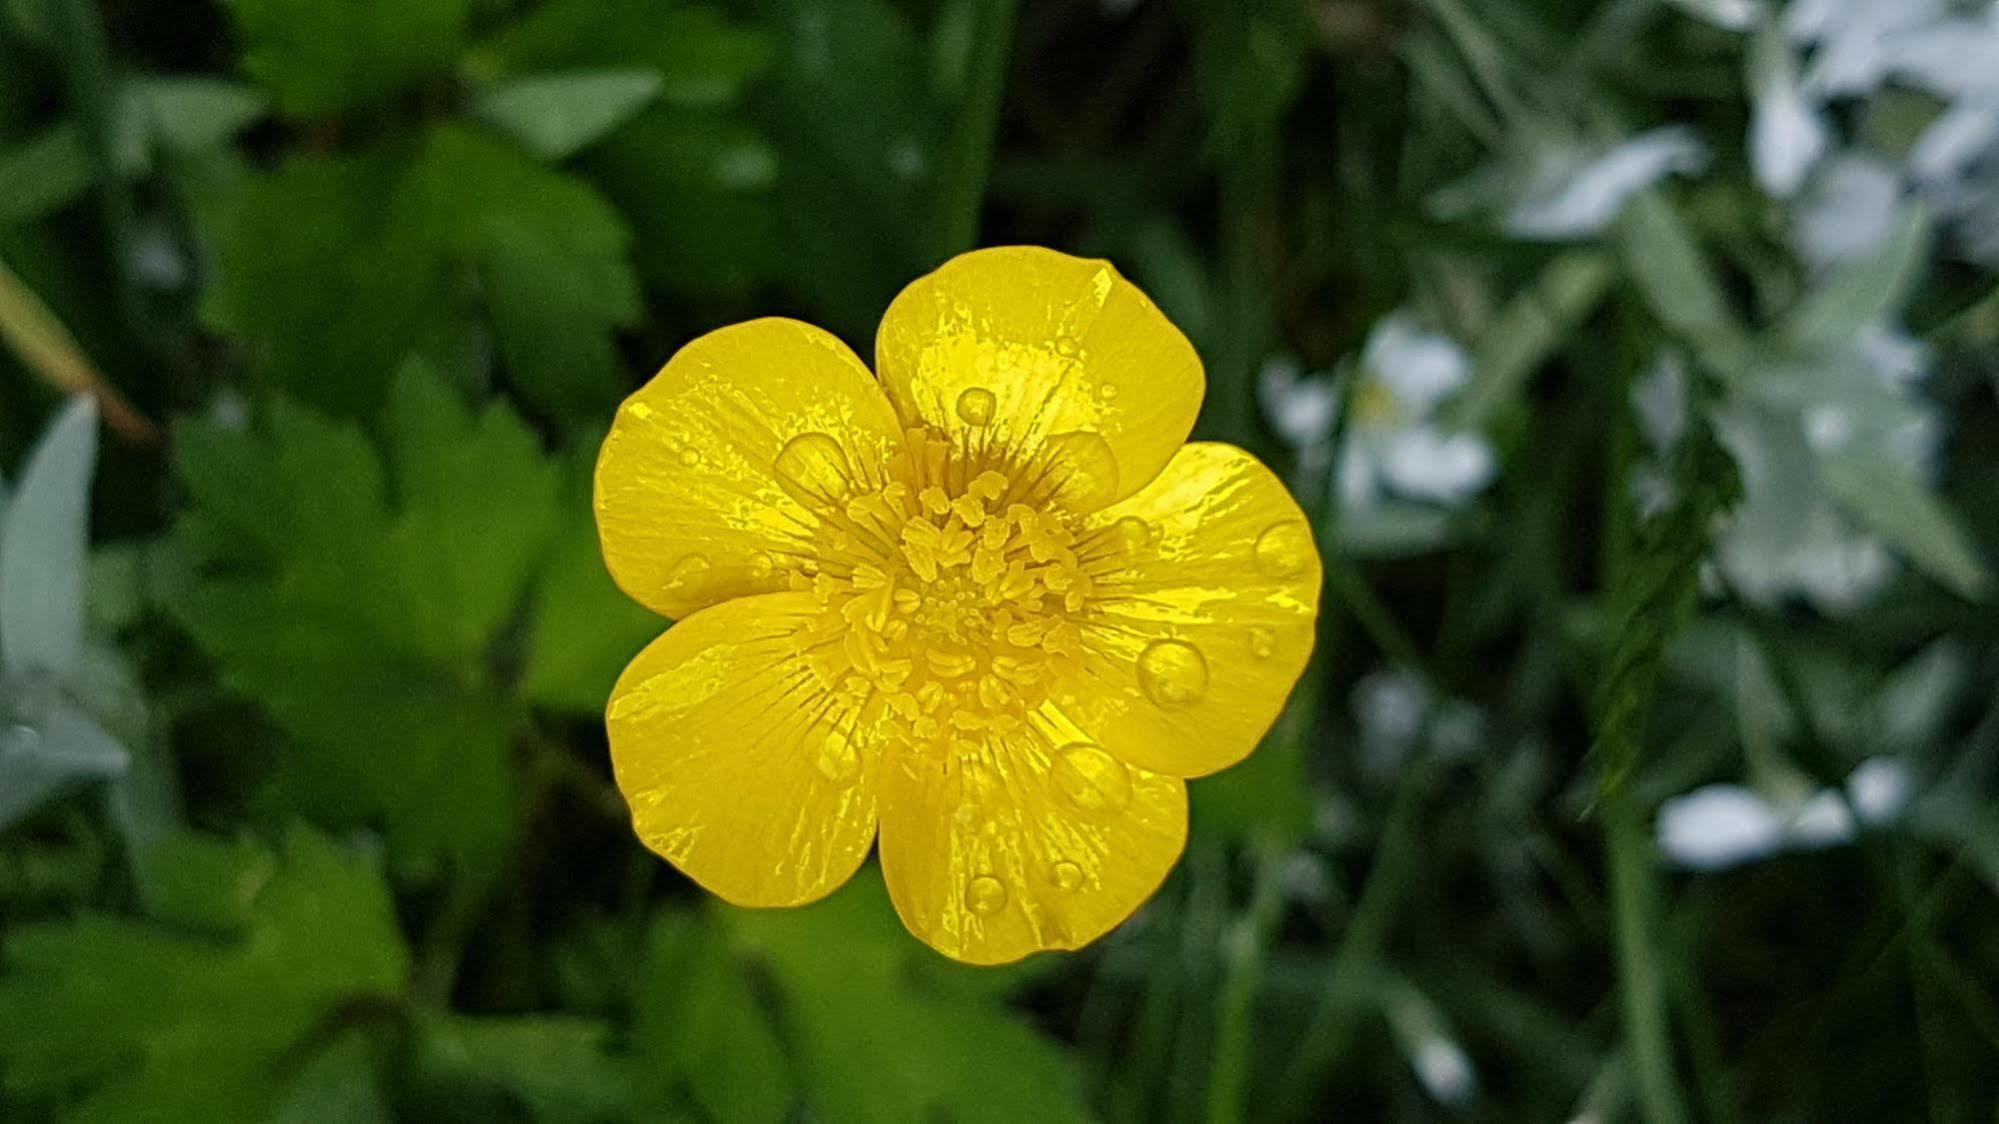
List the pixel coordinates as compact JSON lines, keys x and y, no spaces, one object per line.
{"x":1044,"y":355}
{"x":1207,"y":592}
{"x":692,"y":505}
{"x":735,"y":765}
{"x":1031,"y":840}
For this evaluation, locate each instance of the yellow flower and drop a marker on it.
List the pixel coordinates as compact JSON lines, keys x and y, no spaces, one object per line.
{"x":984,"y":602}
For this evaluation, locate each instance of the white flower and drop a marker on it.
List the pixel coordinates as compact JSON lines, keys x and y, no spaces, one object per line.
{"x":1717,"y":827}
{"x":1787,"y":133}
{"x":1393,"y":442}
{"x":1421,"y":368}
{"x":1427,"y":463}
{"x":1850,"y":210}
{"x":1855,"y":39}
{"x":1443,"y":1070}
{"x":1301,"y":409}
{"x":1726,"y":825}
{"x":1879,"y":789}
{"x":1578,"y":201}
{"x":1663,"y":399}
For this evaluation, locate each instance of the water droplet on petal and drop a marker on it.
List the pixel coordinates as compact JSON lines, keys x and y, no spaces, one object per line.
{"x":1284,"y":549}
{"x":1133,"y":532}
{"x":812,"y":469}
{"x":1066,"y":875}
{"x":1173,"y":674}
{"x":1107,"y":392}
{"x":1262,"y":643}
{"x":838,"y":761}
{"x":985,"y":895}
{"x":761,"y":565}
{"x":1090,"y":778}
{"x":688,"y":570}
{"x":1083,"y":468}
{"x":690,"y":456}
{"x":976,"y":405}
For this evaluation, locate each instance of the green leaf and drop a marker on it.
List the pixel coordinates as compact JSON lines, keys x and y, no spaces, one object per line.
{"x":158,"y":1026}
{"x":1888,"y":499}
{"x":698,"y":1027}
{"x":358,"y":600}
{"x":554,"y":1066}
{"x":1529,"y":329}
{"x":44,"y":173}
{"x":343,"y":1085}
{"x":206,"y":881}
{"x":878,"y":1041}
{"x":702,"y":58}
{"x":1662,"y":257}
{"x":583,"y":630}
{"x":551,"y":257}
{"x":44,"y":544}
{"x":556,"y":116}
{"x":1866,"y":292}
{"x":318,"y":59}
{"x":694,"y":181}
{"x":196,"y":113}
{"x":335,"y":275}
{"x":340,"y":269}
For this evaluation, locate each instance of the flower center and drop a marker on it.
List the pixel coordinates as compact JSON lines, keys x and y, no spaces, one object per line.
{"x":952,"y":583}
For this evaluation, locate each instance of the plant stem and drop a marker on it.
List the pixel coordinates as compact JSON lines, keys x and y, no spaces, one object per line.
{"x":1326,"y":1033}
{"x":1243,"y":954}
{"x":968,"y":166}
{"x":1641,"y":992}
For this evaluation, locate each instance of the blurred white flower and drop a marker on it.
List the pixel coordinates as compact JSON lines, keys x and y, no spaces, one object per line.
{"x":1855,"y":40}
{"x":1730,"y":15}
{"x":1443,"y":1070}
{"x":1822,"y":821}
{"x":1393,"y":444}
{"x":1663,"y":400}
{"x":1427,"y":463}
{"x":1879,"y":788}
{"x":1717,"y":827}
{"x":1787,"y":132}
{"x":1720,"y":826}
{"x":1965,"y":131}
{"x":1301,"y":408}
{"x":1849,"y":210}
{"x":1576,"y":197}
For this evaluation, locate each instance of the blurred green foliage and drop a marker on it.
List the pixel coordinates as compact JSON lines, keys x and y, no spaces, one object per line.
{"x":304,"y":806}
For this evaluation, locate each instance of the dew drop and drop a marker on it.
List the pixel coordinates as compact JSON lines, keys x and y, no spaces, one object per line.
{"x":1262,"y":643}
{"x":812,"y":469}
{"x":976,"y":405}
{"x":838,"y":761}
{"x":1066,"y":875}
{"x":688,"y":570}
{"x":761,"y":565}
{"x":1108,"y":392}
{"x":1133,"y":532}
{"x":1284,"y":549}
{"x":1173,"y":674}
{"x":1090,"y":778}
{"x":985,"y":895}
{"x":690,"y":456}
{"x":1084,"y":468}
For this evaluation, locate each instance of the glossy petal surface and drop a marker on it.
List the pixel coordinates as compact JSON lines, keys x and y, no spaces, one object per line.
{"x":735,"y":766}
{"x":691,"y":507}
{"x":1050,"y":357}
{"x":1035,"y":840}
{"x":1203,"y":615}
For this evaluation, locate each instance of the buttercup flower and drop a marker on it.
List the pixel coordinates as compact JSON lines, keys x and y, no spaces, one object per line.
{"x":982,"y":602}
